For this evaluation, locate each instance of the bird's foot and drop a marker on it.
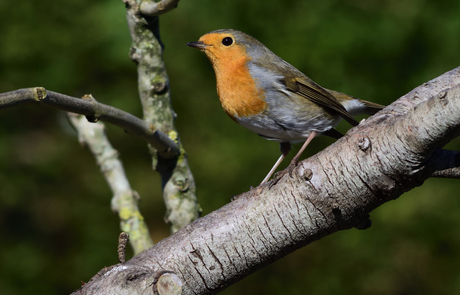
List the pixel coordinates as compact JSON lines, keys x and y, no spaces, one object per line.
{"x":291,"y":166}
{"x":276,"y":178}
{"x":280,"y":174}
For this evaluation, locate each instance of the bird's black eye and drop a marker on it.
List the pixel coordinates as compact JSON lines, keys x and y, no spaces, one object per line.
{"x":227,"y":41}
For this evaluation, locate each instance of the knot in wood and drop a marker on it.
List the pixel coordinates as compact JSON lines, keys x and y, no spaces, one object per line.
{"x":182,"y":184}
{"x":167,"y":283}
{"x":159,"y":87}
{"x":307,"y":174}
{"x":364,"y":144}
{"x":441,"y":95}
{"x":40,"y":93}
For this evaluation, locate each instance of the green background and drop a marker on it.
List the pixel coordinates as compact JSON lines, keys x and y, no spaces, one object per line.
{"x":56,"y":225}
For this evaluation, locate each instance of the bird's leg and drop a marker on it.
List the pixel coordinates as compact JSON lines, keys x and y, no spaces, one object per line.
{"x":285,"y":147}
{"x":295,"y":160}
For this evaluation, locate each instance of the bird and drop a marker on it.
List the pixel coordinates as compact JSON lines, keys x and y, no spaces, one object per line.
{"x":269,"y":96}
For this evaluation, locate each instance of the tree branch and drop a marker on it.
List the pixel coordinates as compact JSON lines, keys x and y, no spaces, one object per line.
{"x":125,"y":199}
{"x":169,"y":157}
{"x":94,"y":111}
{"x":179,"y":192}
{"x":385,"y":156}
{"x":151,"y":8}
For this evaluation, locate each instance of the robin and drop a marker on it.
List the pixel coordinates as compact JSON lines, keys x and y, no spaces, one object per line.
{"x":270,"y":97}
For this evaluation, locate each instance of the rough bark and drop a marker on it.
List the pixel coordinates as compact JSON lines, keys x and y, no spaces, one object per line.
{"x":146,"y":51}
{"x":388,"y":154}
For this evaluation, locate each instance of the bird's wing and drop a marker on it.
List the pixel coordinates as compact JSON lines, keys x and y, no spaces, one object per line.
{"x":307,"y":88}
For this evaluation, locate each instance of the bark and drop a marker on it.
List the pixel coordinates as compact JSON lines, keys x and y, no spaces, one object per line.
{"x":388,"y":154}
{"x":146,"y":51}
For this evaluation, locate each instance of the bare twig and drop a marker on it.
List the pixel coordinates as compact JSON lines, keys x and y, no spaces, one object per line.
{"x":123,"y":239}
{"x":94,"y":111}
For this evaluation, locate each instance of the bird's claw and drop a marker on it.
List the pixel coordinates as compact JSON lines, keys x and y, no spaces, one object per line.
{"x":280,"y":174}
{"x":276,"y":178}
{"x":291,"y":167}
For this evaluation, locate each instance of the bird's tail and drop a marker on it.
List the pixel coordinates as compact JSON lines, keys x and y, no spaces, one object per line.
{"x":356,"y":106}
{"x":371,"y":107}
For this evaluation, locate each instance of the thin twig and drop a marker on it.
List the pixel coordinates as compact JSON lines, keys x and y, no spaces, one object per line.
{"x":94,"y":111}
{"x":123,"y":240}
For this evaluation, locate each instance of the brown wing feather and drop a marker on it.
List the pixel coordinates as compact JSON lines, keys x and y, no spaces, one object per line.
{"x":307,"y":88}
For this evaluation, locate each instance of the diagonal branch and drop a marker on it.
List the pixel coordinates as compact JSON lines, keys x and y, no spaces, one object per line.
{"x":125,"y":199}
{"x":179,"y":192}
{"x":94,"y":111}
{"x":383,"y":157}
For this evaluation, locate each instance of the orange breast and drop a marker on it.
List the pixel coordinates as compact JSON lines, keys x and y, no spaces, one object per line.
{"x":236,"y":88}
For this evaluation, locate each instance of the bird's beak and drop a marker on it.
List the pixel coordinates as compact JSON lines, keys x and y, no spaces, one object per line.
{"x":198,"y":44}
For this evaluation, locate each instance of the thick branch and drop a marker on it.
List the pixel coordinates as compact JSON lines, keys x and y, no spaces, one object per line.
{"x":377,"y":161}
{"x":94,"y":111}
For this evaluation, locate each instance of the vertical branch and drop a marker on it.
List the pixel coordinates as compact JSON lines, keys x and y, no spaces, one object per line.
{"x":177,"y":180}
{"x":124,"y":200}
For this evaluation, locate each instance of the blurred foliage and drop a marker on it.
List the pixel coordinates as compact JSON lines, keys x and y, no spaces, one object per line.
{"x":55,"y":220}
